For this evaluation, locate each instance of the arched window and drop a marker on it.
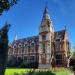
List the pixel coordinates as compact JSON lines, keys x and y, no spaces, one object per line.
{"x":20,"y":48}
{"x":25,"y":48}
{"x":20,"y":45}
{"x":43,"y":47}
{"x":15,"y":49}
{"x":32,"y":47}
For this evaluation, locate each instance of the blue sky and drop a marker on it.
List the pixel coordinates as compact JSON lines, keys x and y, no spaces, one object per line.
{"x":25,"y":17}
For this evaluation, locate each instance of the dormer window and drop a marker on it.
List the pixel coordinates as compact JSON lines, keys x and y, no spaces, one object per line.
{"x":15,"y":46}
{"x":20,"y":45}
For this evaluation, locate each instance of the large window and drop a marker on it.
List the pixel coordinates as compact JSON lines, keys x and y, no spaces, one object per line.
{"x":58,"y":56}
{"x":59,"y":59}
{"x":29,"y":49}
{"x":20,"y":48}
{"x":15,"y":49}
{"x":32,"y":58}
{"x":25,"y":48}
{"x":57,"y":44}
{"x":43,"y":48}
{"x":43,"y":37}
{"x":32,"y":47}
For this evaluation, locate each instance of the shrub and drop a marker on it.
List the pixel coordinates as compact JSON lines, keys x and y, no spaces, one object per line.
{"x":25,"y":64}
{"x":12,"y":62}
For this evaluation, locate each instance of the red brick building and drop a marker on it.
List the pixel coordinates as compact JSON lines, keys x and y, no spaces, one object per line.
{"x":45,"y":47}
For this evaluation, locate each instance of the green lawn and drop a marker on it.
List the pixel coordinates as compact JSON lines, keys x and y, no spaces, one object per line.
{"x":57,"y":71}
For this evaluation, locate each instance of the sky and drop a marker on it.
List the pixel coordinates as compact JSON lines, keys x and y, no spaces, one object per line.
{"x":25,"y":17}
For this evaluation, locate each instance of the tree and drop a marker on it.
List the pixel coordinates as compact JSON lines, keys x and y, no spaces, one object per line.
{"x":6,"y":4}
{"x":3,"y":48}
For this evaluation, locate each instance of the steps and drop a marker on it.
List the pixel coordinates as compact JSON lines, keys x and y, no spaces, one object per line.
{"x":44,"y":66}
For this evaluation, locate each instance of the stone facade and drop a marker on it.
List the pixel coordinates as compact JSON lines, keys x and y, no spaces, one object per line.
{"x":45,"y":47}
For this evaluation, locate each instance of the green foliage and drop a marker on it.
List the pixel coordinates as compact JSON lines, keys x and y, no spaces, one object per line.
{"x":6,"y":4}
{"x":36,"y":73}
{"x":12,"y":62}
{"x":3,"y":48}
{"x":25,"y":64}
{"x":74,"y":54}
{"x":20,"y":63}
{"x":74,"y":67}
{"x":72,"y":64}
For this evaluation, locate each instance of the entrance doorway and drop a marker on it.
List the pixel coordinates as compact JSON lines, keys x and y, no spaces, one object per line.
{"x":43,"y":59}
{"x":58,"y":60}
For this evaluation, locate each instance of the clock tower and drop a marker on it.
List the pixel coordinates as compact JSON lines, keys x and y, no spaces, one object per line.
{"x":46,"y":37}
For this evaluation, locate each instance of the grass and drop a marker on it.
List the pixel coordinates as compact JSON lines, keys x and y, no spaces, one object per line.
{"x":57,"y":71}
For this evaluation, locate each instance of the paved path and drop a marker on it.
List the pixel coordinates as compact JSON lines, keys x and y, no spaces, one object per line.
{"x":72,"y":74}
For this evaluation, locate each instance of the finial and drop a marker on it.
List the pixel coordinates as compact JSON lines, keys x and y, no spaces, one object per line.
{"x":46,"y":10}
{"x":46,"y":4}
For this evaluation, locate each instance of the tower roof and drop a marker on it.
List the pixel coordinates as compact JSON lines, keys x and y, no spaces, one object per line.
{"x":45,"y":14}
{"x":46,"y":10}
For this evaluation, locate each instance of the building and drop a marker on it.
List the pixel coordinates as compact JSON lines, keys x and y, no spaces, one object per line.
{"x":44,"y":48}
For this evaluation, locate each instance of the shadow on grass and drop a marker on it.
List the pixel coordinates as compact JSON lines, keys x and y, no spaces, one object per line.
{"x":36,"y":73}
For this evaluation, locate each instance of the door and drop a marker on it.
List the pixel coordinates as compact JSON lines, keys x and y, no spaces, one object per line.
{"x":43,"y":59}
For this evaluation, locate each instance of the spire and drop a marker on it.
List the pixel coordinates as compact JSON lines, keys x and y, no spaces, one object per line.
{"x":15,"y":38}
{"x":46,"y":9}
{"x":45,"y":14}
{"x":65,"y":29}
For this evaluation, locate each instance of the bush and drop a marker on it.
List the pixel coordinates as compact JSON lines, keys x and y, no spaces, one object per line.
{"x":72,"y":64}
{"x":12,"y":62}
{"x":29,"y":65}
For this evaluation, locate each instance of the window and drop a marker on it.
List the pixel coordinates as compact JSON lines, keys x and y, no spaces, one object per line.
{"x":25,"y":48}
{"x":43,"y":48}
{"x":28,"y":48}
{"x":59,"y":59}
{"x":32,"y":58}
{"x":48,"y":23}
{"x":57,"y":44}
{"x":25,"y":58}
{"x":15,"y":49}
{"x":14,"y":46}
{"x":43,"y":37}
{"x":20,"y":45}
{"x":20,"y":48}
{"x":58,"y":56}
{"x":32,"y":47}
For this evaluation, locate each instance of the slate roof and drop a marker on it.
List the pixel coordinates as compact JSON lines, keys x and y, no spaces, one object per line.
{"x":26,"y":40}
{"x":59,"y":34}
